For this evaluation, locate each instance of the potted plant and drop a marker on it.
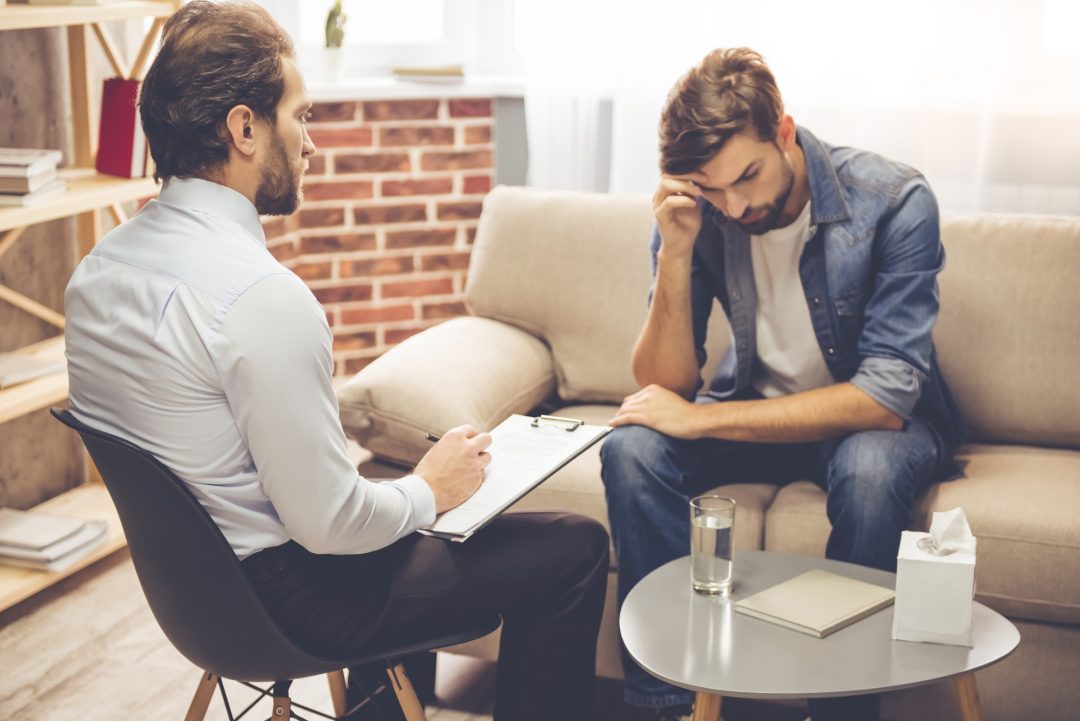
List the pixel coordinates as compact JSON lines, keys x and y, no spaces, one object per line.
{"x":335,"y":36}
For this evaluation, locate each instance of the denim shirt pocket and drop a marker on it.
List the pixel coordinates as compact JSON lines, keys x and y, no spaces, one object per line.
{"x":850,"y":311}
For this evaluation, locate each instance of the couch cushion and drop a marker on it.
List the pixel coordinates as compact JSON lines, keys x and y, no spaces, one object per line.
{"x":572,"y":268}
{"x":464,"y":371}
{"x":1022,"y":503}
{"x":1009,"y":332}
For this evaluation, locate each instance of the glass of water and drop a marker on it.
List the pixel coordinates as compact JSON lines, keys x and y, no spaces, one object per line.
{"x":712,"y":519}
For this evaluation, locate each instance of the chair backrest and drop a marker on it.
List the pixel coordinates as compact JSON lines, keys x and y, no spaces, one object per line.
{"x":193,"y":581}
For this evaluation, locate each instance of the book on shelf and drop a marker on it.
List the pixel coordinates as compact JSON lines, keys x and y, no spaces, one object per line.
{"x":817,"y":602}
{"x":47,"y":541}
{"x":121,"y":142}
{"x":53,"y":189}
{"x":25,"y":162}
{"x":16,"y":368}
{"x":431,"y":74}
{"x":20,"y":185}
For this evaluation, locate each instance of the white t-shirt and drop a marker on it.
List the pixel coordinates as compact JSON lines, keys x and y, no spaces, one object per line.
{"x":789,"y":357}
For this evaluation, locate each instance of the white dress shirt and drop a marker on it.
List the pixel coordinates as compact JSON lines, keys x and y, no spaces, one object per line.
{"x":789,"y":356}
{"x":186,"y":337}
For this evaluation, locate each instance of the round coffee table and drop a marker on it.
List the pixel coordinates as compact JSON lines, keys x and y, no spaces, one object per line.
{"x":699,"y":643}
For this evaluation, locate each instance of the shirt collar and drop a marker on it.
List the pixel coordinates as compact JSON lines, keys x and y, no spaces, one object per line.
{"x":204,"y":196}
{"x":825,"y":193}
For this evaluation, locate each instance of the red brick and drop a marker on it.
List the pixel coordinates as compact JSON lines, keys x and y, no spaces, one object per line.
{"x":377,"y":266}
{"x":420,"y":238}
{"x":477,"y":184}
{"x":433,"y":311}
{"x":379,"y":214}
{"x":478,"y":135}
{"x":282,"y":251}
{"x":445,"y":261}
{"x":372,"y":163}
{"x":274,"y":227}
{"x":418,"y":288}
{"x":332,"y":112}
{"x":425,"y":186}
{"x":341,"y":137}
{"x":397,"y":335}
{"x":470,"y":108}
{"x":314,"y":271}
{"x":343,"y":293}
{"x":322,"y":217}
{"x":316,"y":165}
{"x":354,"y":341}
{"x":337,"y":243}
{"x":401,"y":110}
{"x":378,"y":314}
{"x":470,"y":235}
{"x":466,"y":160}
{"x":330,"y":318}
{"x":399,"y":137}
{"x":355,"y":365}
{"x":459,"y":211}
{"x":340,"y":190}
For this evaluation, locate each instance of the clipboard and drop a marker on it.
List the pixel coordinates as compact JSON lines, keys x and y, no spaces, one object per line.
{"x":525,"y":452}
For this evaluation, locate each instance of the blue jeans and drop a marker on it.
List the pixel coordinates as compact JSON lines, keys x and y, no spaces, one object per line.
{"x":872,"y":479}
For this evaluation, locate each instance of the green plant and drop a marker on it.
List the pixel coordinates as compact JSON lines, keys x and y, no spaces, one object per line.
{"x":335,"y":26}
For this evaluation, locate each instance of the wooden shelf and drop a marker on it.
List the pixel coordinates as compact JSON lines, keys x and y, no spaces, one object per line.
{"x":41,"y":392}
{"x":21,"y":17}
{"x":87,"y":190}
{"x":89,"y":500}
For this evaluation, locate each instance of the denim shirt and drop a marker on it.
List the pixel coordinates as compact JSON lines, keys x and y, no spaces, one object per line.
{"x":869,"y":272}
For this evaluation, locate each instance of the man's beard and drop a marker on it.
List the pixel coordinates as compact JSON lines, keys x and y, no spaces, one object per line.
{"x":771,"y":220}
{"x":279,"y":191}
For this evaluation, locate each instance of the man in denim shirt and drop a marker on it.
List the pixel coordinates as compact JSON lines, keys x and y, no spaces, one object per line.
{"x":824,"y":260}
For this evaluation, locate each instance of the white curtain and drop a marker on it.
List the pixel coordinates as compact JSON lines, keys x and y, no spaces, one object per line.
{"x":983,"y":96}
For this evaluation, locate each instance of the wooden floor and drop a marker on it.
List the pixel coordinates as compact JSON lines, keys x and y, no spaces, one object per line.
{"x":88,"y":649}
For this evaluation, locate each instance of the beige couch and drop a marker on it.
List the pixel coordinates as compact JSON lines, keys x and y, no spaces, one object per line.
{"x":557,"y":292}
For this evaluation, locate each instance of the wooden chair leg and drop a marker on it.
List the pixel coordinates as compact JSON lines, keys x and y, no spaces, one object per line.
{"x":967,"y":697}
{"x":707,"y":707}
{"x":336,"y":680}
{"x":406,"y":694}
{"x":201,"y":701}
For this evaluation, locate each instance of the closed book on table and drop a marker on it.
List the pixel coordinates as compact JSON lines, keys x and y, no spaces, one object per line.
{"x":121,"y":142}
{"x":817,"y":602}
{"x":35,"y":530}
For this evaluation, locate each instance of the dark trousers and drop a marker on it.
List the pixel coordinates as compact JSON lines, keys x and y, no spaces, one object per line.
{"x":544,"y":573}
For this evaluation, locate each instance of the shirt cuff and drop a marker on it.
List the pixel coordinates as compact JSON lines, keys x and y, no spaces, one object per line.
{"x":893,"y":383}
{"x":421,"y":497}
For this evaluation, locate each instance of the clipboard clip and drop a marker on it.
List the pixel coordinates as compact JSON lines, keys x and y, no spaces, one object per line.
{"x":569,"y":424}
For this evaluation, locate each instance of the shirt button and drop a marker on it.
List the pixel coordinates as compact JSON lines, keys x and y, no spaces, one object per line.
{"x":831,"y":351}
{"x":735,"y":295}
{"x":817,"y":300}
{"x":742,"y":345}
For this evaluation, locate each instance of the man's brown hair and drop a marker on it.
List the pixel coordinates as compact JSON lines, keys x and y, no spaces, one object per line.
{"x":213,"y":57}
{"x":725,"y":93}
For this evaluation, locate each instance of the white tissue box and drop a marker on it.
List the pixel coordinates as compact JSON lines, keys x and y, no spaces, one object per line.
{"x":934,"y":593}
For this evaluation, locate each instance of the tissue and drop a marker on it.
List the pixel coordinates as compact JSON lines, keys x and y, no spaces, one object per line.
{"x":935,"y":582}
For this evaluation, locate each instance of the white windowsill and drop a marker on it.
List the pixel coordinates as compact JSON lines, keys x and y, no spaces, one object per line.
{"x":388,"y":88}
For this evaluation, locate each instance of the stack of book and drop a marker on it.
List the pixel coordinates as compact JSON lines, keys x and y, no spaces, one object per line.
{"x":28,"y":176}
{"x":16,"y":368}
{"x":47,"y":541}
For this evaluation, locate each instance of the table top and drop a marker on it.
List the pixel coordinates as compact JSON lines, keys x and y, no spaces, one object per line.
{"x":698,"y":642}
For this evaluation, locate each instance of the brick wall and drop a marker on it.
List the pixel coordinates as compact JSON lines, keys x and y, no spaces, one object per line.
{"x":391,"y":203}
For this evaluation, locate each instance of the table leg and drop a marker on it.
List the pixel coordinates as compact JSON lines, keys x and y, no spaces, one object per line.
{"x":707,"y":707}
{"x":967,"y":697}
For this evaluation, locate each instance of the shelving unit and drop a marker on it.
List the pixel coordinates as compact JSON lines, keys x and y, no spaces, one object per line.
{"x":88,"y":194}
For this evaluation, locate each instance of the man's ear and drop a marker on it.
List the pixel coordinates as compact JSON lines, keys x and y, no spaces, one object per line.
{"x":240,"y":125}
{"x":785,"y":134}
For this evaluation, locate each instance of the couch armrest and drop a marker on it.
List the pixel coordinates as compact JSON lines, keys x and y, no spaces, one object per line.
{"x":466,"y":370}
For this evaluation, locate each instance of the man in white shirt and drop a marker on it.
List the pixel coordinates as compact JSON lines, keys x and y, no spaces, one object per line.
{"x":186,"y":337}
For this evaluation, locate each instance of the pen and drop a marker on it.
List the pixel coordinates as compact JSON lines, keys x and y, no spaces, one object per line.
{"x":433,"y":438}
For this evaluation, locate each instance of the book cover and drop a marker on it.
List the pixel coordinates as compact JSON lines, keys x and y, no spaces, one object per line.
{"x":88,"y":535}
{"x":35,"y":530}
{"x":26,"y":184}
{"x":24,"y":162}
{"x":97,"y":537}
{"x":121,"y":143}
{"x":817,"y":602}
{"x":54,"y":188}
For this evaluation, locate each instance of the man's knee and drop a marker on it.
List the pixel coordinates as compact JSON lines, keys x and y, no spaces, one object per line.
{"x":631,"y":456}
{"x":873,"y":470}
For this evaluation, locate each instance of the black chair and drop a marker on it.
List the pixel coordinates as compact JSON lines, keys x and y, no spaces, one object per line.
{"x":202,"y":599}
